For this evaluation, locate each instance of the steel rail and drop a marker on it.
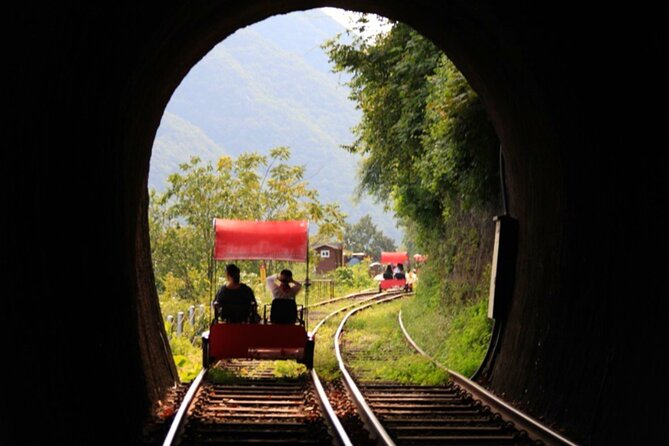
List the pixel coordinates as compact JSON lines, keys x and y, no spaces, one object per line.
{"x":338,"y":430}
{"x":337,"y":299}
{"x":180,"y":417}
{"x":507,"y":412}
{"x":339,"y":310}
{"x":373,"y":424}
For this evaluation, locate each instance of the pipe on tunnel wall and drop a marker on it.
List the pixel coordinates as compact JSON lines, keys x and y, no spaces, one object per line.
{"x":565,"y":88}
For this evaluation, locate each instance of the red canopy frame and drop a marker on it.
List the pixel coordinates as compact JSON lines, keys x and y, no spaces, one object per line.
{"x":261,"y":240}
{"x":395,"y":257}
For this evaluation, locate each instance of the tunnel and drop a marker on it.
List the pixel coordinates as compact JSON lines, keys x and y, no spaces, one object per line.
{"x":577,"y":96}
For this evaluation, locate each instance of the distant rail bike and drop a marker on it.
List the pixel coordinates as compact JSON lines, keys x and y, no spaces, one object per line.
{"x":394,"y":258}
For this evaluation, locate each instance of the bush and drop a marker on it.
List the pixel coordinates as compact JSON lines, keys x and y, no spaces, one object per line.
{"x":353,"y":278}
{"x":455,"y":331}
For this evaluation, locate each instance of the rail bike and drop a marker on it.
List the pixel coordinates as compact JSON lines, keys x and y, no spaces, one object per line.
{"x":270,"y":338}
{"x":394,"y":258}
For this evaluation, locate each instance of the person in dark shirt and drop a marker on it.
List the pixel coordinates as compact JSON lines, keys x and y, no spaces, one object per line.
{"x":399,"y":272}
{"x":235,"y":301}
{"x":388,"y":273}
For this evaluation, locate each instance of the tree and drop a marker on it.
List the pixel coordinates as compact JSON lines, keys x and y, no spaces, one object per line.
{"x":364,"y":236}
{"x":428,"y":149}
{"x":251,"y":187}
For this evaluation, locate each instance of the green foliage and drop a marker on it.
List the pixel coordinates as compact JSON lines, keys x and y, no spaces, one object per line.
{"x":288,"y":369}
{"x":325,"y":361}
{"x":462,"y":158}
{"x":429,"y":152}
{"x":265,"y":84}
{"x":217,"y":375}
{"x":349,"y":279}
{"x":425,"y":138}
{"x":187,"y":357}
{"x":250,"y":187}
{"x":364,"y":236}
{"x":455,"y":332}
{"x":382,"y":352}
{"x":388,"y":84}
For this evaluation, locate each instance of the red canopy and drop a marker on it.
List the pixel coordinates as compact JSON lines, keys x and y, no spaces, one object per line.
{"x":394,"y":257}
{"x":261,"y":240}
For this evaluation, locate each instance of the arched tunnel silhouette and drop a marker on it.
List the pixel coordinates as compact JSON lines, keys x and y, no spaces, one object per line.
{"x":577,"y":97}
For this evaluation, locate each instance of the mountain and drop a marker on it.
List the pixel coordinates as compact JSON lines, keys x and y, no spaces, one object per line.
{"x":269,"y":85}
{"x":176,"y":141}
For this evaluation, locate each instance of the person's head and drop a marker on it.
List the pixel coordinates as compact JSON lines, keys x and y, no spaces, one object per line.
{"x":400,"y":267}
{"x":389,"y":267}
{"x":232,"y":271}
{"x":286,"y":276}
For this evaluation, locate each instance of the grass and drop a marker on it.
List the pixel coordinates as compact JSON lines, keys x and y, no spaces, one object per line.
{"x":280,"y":369}
{"x":376,"y":349}
{"x":456,"y":335}
{"x":188,"y":355}
{"x":325,"y":361}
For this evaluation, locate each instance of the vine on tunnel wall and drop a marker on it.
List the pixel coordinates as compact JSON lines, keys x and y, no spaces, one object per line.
{"x":429,"y":152}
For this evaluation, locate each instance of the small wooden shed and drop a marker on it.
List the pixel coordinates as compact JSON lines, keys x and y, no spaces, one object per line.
{"x":330,"y":257}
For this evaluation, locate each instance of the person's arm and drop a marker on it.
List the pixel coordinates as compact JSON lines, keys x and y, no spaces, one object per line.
{"x":297,"y":286}
{"x":219,"y":295}
{"x":271,"y":282}
{"x":252,"y":297}
{"x":217,"y":302}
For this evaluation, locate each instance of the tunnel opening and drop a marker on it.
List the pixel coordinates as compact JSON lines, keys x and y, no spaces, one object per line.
{"x":591,"y":226}
{"x":195,"y":190}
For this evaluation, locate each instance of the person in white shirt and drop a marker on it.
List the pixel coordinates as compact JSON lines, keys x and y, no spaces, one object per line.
{"x":286,"y":288}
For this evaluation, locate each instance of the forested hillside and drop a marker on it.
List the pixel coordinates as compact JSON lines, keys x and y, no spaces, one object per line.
{"x":269,"y":85}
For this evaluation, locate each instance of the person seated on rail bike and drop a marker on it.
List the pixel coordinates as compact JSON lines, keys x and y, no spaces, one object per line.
{"x":398,"y":273}
{"x":284,"y":308}
{"x":235,"y":302}
{"x":388,"y":273}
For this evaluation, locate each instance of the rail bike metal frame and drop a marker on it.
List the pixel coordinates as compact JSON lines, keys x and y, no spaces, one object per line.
{"x":256,"y":240}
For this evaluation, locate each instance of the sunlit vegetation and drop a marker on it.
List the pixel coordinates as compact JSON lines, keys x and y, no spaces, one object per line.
{"x":250,"y":187}
{"x":376,"y":349}
{"x":325,"y":360}
{"x":219,"y":374}
{"x":430,"y":153}
{"x":454,"y":334}
{"x":352,"y":279}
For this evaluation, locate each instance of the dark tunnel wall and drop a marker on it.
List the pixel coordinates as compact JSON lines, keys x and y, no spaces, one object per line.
{"x":578,"y":98}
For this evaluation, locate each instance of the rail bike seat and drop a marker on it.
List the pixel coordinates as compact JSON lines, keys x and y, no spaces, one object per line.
{"x":235,"y":312}
{"x":283,"y":311}
{"x":392,"y":283}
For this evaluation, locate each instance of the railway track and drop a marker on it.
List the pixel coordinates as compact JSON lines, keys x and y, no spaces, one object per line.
{"x":256,"y":411}
{"x":458,"y":412}
{"x":262,"y":409}
{"x":258,"y":408}
{"x":358,"y":296}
